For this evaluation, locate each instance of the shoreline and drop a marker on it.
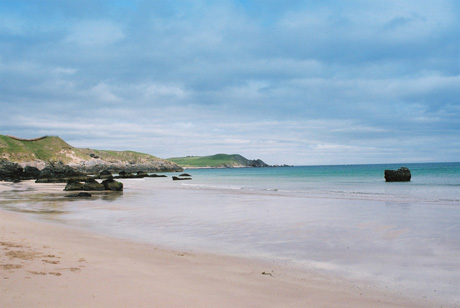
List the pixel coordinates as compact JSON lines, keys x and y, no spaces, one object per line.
{"x":54,"y":265}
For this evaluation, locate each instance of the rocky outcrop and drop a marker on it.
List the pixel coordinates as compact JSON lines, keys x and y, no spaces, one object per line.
{"x":96,"y":166}
{"x":258,"y":163}
{"x":58,"y":172}
{"x":401,"y":175}
{"x":14,"y":172}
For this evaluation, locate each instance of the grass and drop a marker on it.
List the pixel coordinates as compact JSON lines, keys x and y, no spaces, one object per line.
{"x":217,"y":160}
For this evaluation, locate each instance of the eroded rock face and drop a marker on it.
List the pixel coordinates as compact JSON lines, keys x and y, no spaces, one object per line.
{"x":14,"y":172}
{"x":10,"y":171}
{"x":58,"y":172}
{"x":401,"y":175}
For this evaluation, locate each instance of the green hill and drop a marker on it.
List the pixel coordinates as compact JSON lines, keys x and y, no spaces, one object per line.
{"x":39,"y":151}
{"x":217,"y":161}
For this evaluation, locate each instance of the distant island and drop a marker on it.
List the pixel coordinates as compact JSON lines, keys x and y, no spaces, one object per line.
{"x":217,"y":161}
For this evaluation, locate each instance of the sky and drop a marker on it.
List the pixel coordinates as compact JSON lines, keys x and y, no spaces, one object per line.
{"x":297,"y":82}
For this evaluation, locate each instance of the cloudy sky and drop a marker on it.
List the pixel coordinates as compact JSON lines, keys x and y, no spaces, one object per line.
{"x":296,"y":82}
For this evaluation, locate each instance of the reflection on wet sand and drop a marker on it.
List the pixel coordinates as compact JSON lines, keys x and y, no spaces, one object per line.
{"x":28,"y":197}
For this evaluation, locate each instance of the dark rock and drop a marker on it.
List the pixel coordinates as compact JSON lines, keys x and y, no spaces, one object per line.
{"x":142,"y":174}
{"x":401,"y":175}
{"x":10,"y":171}
{"x":185,"y":174}
{"x":74,"y":185}
{"x":105,"y":174}
{"x":111,"y":184}
{"x":257,"y":163}
{"x":79,"y":195}
{"x":92,"y":184}
{"x":58,"y":172}
{"x":157,"y":176}
{"x":175,"y":178}
{"x":31,"y":172}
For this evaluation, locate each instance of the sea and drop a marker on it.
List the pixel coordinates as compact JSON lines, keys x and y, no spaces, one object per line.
{"x":340,"y":220}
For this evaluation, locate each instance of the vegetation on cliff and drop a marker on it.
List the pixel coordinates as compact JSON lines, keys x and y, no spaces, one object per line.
{"x":217,"y":161}
{"x":53,"y":148}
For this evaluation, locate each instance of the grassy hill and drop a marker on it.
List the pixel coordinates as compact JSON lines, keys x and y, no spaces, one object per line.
{"x":53,"y":148}
{"x":217,"y":161}
{"x":46,"y":149}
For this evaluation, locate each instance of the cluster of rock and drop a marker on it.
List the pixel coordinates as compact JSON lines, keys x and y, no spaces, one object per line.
{"x":93,"y":185}
{"x":401,"y":175}
{"x":13,"y":172}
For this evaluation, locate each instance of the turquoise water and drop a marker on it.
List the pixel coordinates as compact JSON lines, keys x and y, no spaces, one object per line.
{"x":431,"y":182}
{"x":339,"y":220}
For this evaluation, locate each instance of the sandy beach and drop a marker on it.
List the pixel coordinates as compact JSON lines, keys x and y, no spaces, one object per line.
{"x":51,"y":265}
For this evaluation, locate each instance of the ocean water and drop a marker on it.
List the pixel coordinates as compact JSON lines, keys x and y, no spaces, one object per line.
{"x":338,"y":220}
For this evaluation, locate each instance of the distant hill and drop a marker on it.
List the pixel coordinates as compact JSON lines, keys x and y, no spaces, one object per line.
{"x":37,"y":152}
{"x":217,"y":161}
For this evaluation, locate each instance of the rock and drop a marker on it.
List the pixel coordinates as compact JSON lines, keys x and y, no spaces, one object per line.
{"x":74,"y":185}
{"x":401,"y":175}
{"x":185,"y":174}
{"x":142,"y":174}
{"x":105,"y":174}
{"x":175,"y":178}
{"x":92,"y":184}
{"x":10,"y":171}
{"x":58,"y":172}
{"x":31,"y":172}
{"x":157,"y":176}
{"x":79,"y":195}
{"x":111,"y":184}
{"x":258,"y":163}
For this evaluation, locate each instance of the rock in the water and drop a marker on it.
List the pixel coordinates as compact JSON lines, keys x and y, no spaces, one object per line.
{"x":111,"y":184}
{"x":79,"y":195}
{"x":175,"y":178}
{"x":185,"y":174}
{"x":74,"y":185}
{"x":92,"y":184}
{"x":401,"y":175}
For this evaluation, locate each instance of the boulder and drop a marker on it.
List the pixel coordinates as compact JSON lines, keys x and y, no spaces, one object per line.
{"x":74,"y":185}
{"x":111,"y":184}
{"x":105,"y":174}
{"x":401,"y":175}
{"x":92,"y":184}
{"x":10,"y":171}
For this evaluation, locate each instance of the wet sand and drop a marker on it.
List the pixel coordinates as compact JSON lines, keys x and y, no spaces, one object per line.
{"x":51,"y":265}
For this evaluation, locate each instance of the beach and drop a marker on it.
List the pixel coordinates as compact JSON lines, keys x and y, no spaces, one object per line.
{"x":49,"y":265}
{"x":208,"y":243}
